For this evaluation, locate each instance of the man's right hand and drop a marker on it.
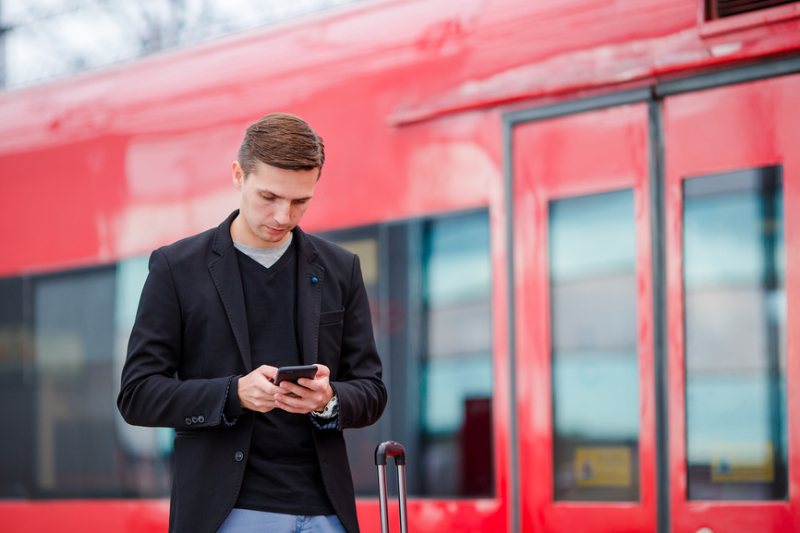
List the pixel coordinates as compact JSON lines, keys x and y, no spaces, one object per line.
{"x":256,"y":391}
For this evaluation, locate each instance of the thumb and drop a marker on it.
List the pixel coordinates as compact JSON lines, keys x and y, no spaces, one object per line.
{"x":322,"y":371}
{"x":267,"y":371}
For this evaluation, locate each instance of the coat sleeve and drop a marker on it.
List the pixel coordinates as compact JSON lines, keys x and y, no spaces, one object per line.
{"x":362,"y":394}
{"x":151,"y":393}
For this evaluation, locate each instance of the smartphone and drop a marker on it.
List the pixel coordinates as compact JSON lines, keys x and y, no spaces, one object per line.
{"x":293,"y":373}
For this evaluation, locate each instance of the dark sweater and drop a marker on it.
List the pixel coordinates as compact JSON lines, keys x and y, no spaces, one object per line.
{"x":282,"y":474}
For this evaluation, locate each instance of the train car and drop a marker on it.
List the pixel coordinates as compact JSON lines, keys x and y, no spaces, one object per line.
{"x":579,"y":223}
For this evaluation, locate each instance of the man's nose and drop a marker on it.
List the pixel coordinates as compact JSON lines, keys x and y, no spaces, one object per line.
{"x":283,"y":213}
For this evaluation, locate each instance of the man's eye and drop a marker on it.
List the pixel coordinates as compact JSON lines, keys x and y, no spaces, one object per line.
{"x":268,"y":198}
{"x":300,"y":202}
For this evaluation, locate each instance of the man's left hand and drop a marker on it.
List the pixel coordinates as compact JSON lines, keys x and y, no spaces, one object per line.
{"x":307,"y":395}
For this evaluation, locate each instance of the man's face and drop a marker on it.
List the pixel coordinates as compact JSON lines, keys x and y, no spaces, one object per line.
{"x":272,"y":203}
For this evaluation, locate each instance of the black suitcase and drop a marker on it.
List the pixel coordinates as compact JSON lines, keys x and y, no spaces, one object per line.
{"x":382,"y":453}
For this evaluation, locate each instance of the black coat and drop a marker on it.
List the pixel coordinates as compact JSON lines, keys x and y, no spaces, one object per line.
{"x":190,"y":337}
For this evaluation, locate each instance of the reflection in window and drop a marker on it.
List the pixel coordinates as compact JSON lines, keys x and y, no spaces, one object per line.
{"x":429,"y":284}
{"x":144,"y":454}
{"x":73,"y":342}
{"x":595,"y":370}
{"x":735,"y":314}
{"x":16,"y":391}
{"x":361,"y":442}
{"x":62,"y":343}
{"x":457,"y":369}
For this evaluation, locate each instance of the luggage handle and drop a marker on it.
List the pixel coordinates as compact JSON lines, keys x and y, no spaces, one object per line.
{"x":383,"y":452}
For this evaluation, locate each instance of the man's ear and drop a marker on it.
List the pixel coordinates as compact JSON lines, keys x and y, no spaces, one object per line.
{"x":237,"y":174}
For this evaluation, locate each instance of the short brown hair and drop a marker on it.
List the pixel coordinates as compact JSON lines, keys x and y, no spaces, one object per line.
{"x":284,"y":141}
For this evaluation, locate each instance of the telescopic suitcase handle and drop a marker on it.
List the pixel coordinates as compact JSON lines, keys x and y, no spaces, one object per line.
{"x":383,"y":452}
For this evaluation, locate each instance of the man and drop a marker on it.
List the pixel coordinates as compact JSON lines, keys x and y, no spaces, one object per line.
{"x":219,"y":313}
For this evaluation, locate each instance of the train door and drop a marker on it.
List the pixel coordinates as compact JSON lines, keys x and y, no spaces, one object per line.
{"x":732,"y":198}
{"x":583,"y":310}
{"x":584,"y":326}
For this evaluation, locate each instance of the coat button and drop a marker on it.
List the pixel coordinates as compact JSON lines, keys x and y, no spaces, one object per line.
{"x":188,"y":421}
{"x":239,"y":456}
{"x":201,"y":419}
{"x":194,"y":420}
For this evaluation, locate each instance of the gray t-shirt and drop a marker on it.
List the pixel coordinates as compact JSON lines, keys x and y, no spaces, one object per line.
{"x":266,"y":256}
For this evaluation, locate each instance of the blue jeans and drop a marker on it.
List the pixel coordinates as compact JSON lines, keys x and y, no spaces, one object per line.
{"x":247,"y":521}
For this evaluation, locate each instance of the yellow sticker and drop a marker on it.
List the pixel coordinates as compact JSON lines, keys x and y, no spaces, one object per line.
{"x":603,"y":466}
{"x":742,"y":462}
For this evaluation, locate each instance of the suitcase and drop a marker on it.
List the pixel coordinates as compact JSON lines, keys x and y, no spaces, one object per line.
{"x":383,"y":452}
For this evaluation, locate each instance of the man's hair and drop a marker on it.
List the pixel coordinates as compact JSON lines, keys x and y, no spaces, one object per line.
{"x":284,"y":141}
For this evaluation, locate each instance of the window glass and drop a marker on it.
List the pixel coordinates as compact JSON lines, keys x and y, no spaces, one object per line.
{"x":735,"y":314}
{"x":63,"y":342}
{"x":16,"y":391}
{"x":595,"y":371}
{"x":361,"y":442}
{"x":144,"y":453}
{"x":73,"y":342}
{"x":429,"y":285}
{"x":457,"y":367}
{"x":63,"y":339}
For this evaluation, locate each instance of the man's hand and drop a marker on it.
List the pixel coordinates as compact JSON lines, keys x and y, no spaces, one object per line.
{"x":307,"y":395}
{"x":256,"y":391}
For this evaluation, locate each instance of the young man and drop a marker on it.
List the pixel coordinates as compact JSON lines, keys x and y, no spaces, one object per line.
{"x":219,"y":313}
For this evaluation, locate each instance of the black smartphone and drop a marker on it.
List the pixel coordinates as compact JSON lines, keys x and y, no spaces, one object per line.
{"x":293,"y":373}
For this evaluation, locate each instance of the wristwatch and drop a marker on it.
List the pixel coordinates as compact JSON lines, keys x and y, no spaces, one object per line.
{"x":330,"y":409}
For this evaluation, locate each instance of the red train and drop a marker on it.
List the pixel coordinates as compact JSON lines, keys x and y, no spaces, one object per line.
{"x":579,"y":222}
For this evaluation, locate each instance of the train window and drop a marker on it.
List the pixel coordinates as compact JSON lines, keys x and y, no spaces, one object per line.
{"x":595,"y":370}
{"x":63,"y":339}
{"x":73,"y":342}
{"x":361,"y":442}
{"x":735,"y":345}
{"x":143,"y":454}
{"x":62,"y":343}
{"x":16,"y":390}
{"x":429,"y":284}
{"x":457,"y":367}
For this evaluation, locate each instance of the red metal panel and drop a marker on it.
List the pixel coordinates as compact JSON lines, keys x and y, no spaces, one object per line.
{"x":113,"y":197}
{"x":576,"y":155}
{"x":436,"y":516}
{"x":85,"y":516}
{"x":731,"y":128}
{"x":152,"y":516}
{"x":145,"y":146}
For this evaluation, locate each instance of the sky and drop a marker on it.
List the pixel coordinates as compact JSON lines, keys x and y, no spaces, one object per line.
{"x":51,"y":39}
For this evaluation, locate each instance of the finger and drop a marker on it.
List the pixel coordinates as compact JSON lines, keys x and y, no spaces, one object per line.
{"x":268,"y":371}
{"x":322,"y":371}
{"x":310,"y":384}
{"x":309,"y":401}
{"x":262,"y":404}
{"x":292,"y":405}
{"x":296,"y":389}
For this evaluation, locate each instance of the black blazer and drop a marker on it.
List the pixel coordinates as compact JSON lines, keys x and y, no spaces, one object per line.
{"x":190,"y":337}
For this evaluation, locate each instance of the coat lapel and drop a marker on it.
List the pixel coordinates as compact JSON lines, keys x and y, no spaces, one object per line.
{"x":225,"y":273}
{"x":310,"y":278}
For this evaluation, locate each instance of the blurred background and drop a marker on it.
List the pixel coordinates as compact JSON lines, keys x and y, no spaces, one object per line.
{"x":578,"y":223}
{"x":48,"y":39}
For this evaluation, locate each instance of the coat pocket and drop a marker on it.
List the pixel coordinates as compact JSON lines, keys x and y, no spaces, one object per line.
{"x":331,"y":318}
{"x":331,"y":326}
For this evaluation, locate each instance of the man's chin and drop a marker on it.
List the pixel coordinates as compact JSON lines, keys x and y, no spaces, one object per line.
{"x":273,"y":238}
